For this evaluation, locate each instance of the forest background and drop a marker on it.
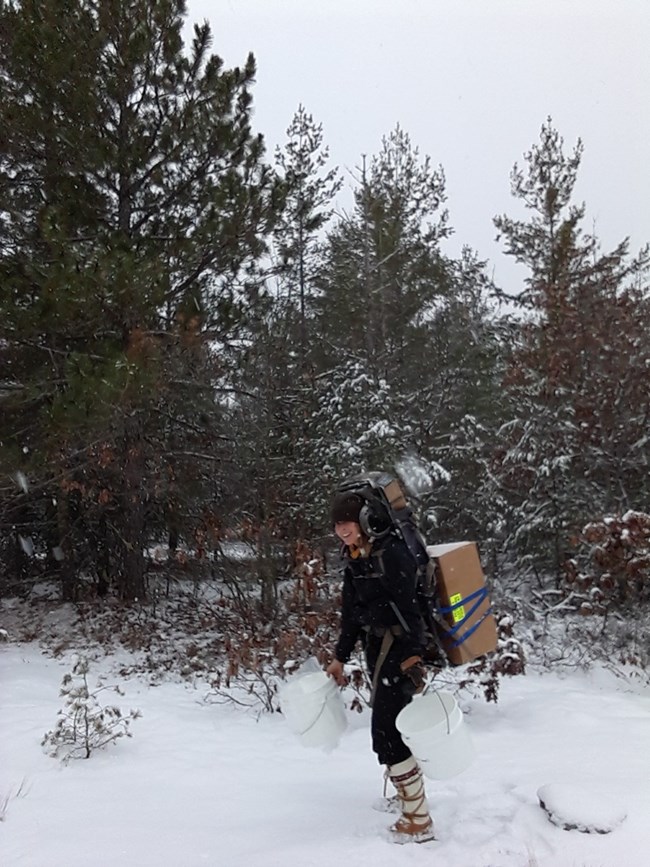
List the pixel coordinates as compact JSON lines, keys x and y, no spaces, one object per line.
{"x":196,"y":347}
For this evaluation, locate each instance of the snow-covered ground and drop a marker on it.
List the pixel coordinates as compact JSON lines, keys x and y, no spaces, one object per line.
{"x":207,"y":784}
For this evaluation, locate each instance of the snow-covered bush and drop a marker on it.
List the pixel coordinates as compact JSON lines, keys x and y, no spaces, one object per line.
{"x":485,"y":673}
{"x":84,"y":725}
{"x":612,"y":564}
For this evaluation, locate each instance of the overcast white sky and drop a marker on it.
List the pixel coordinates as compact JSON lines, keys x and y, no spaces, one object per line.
{"x":471,"y":81}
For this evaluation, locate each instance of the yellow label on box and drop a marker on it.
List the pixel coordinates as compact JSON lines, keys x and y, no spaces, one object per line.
{"x":457,"y":613}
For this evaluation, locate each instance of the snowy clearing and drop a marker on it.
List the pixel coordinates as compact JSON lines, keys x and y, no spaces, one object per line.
{"x":205,"y":784}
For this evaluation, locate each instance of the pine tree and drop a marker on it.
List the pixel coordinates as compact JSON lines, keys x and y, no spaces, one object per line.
{"x":275,"y":377}
{"x":574,"y":446}
{"x":384,"y":268}
{"x":136,"y":207}
{"x":408,"y":360}
{"x":382,"y":276}
{"x":462,"y":404}
{"x":311,"y":190}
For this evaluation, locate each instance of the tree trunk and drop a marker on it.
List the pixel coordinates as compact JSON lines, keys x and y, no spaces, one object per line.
{"x":64,"y":553}
{"x":131,"y":580}
{"x":267,"y":573}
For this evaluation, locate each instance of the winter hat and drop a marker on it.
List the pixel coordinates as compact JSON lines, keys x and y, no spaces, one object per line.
{"x":346,"y":507}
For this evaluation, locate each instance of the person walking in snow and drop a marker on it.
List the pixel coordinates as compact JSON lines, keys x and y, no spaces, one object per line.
{"x":380,"y":609}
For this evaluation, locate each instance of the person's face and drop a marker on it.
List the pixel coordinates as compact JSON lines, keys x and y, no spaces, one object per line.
{"x":349,"y":532}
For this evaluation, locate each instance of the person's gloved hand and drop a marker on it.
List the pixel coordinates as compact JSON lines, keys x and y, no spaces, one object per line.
{"x":335,"y":670}
{"x":413,"y":669}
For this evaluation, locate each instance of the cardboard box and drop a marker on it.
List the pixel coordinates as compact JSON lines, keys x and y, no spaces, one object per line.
{"x":469,"y":630}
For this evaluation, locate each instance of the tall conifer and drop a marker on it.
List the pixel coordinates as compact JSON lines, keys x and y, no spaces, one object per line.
{"x":574,"y":447}
{"x":135,"y":204}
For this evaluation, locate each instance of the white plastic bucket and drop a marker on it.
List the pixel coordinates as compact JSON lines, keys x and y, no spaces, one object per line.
{"x":432,"y":728}
{"x":313,"y":708}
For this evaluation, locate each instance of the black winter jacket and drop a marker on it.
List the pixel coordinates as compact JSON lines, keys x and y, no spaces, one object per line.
{"x":367,"y":596}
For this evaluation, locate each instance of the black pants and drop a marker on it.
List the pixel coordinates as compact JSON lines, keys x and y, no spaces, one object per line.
{"x":390,"y":697}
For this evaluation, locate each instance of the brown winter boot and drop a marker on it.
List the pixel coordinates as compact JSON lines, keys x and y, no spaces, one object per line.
{"x":415,"y":825}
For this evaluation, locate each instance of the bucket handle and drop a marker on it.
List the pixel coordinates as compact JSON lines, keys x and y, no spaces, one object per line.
{"x":437,"y":694}
{"x":312,"y":724}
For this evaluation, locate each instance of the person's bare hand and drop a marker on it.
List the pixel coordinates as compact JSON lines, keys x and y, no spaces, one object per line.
{"x":335,"y":670}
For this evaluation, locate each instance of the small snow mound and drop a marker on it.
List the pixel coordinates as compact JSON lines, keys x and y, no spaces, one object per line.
{"x":577,"y":809}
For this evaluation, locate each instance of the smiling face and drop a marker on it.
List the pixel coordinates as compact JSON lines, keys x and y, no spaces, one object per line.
{"x":349,"y":532}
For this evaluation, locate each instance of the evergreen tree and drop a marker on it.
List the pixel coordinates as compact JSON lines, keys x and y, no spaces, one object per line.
{"x":274,"y":377}
{"x":408,"y":361}
{"x":135,"y":206}
{"x":574,"y":446}
{"x":462,"y":404}
{"x":382,"y":276}
{"x":311,"y":190}
{"x":384,"y":270}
